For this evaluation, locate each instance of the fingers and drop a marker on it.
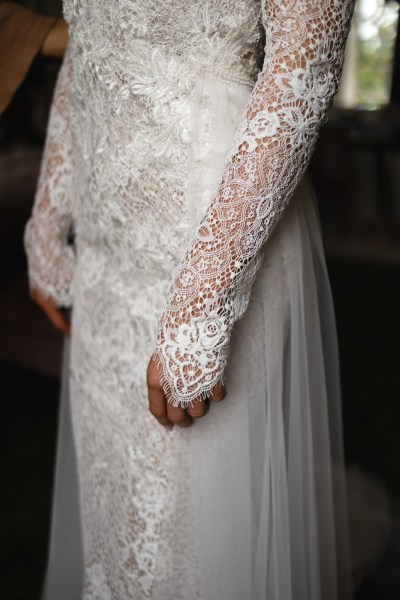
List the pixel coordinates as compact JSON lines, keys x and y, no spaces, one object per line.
{"x":198,"y":409}
{"x":55,"y":314}
{"x":169,"y":415}
{"x":165,"y":413}
{"x":157,"y":405}
{"x":178,"y":416}
{"x":156,"y":398}
{"x":58,"y":319}
{"x":218,"y":393}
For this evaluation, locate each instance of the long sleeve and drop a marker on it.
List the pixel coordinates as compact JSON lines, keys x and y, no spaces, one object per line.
{"x":50,"y":257}
{"x":304,"y":51}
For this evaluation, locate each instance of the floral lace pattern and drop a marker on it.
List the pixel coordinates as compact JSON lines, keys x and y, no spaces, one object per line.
{"x":51,"y":259}
{"x":305,"y":41}
{"x":117,"y":166}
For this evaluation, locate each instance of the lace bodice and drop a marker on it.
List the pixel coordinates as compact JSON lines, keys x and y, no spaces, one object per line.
{"x":128,"y":39}
{"x":120,"y":129}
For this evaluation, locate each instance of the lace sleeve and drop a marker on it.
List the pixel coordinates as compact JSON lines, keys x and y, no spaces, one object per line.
{"x":305,"y":41}
{"x":50,"y":258}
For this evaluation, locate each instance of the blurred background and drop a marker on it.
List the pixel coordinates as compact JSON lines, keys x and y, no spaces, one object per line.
{"x":356,"y":175}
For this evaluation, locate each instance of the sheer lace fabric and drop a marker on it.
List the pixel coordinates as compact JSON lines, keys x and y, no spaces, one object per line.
{"x":158,"y":97}
{"x":149,"y":58}
{"x":51,"y":259}
{"x":304,"y":50}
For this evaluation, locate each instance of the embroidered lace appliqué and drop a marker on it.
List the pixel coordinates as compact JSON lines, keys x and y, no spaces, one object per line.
{"x":305,"y":41}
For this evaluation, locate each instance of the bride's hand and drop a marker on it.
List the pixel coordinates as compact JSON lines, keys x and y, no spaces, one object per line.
{"x":169,"y":415}
{"x":56,"y":315}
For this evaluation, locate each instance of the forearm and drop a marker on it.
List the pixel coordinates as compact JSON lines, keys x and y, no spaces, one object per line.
{"x":270,"y":152}
{"x":50,"y":257}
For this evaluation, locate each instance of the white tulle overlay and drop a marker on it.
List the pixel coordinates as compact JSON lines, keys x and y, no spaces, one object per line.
{"x":64,"y":578}
{"x":249,"y":503}
{"x":304,"y":51}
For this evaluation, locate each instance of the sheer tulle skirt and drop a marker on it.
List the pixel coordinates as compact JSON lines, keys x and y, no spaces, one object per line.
{"x":64,"y":577}
{"x":271,"y":483}
{"x":276,"y":442}
{"x":256,"y":493}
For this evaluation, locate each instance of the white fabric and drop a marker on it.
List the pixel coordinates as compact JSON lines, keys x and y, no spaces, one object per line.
{"x":51,"y":258}
{"x":64,"y":577}
{"x":304,"y":52}
{"x":248,"y":503}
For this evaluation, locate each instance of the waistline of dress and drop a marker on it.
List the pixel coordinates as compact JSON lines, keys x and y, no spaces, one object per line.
{"x":130,"y":261}
{"x":143,"y":61}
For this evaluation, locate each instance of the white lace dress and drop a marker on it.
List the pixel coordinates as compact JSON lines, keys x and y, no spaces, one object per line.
{"x":178,"y":134}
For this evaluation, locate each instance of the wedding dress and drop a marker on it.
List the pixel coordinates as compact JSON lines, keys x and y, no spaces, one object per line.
{"x":177,"y":149}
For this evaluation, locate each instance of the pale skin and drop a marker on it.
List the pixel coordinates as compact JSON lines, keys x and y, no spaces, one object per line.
{"x":165,"y":413}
